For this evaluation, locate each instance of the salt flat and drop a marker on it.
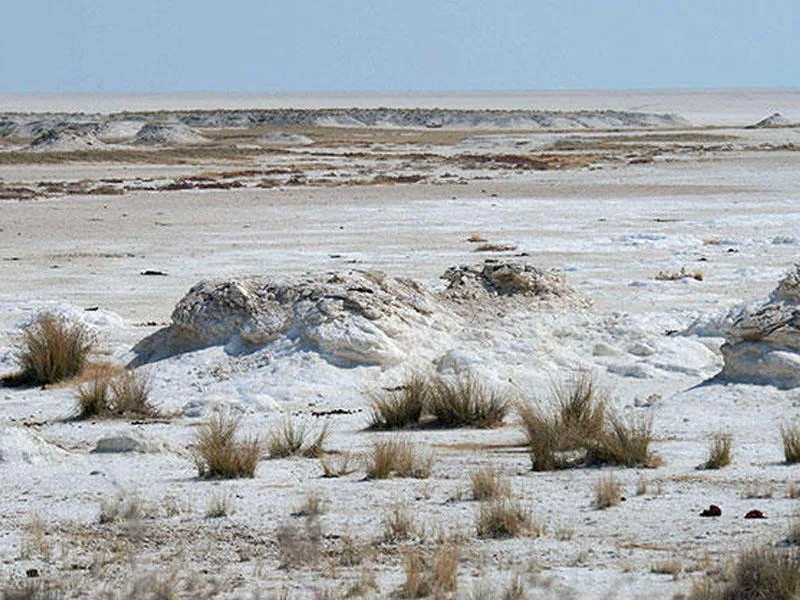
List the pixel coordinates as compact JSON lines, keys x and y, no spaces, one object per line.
{"x":609,"y":210}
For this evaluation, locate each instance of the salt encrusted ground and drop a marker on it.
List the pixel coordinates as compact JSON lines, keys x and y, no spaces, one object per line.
{"x":726,"y":207}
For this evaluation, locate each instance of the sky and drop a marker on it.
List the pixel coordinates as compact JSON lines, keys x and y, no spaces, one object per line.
{"x":291,"y":46}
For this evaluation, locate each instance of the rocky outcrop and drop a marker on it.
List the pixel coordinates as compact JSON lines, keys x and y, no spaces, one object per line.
{"x":774,"y":120}
{"x":763,"y":343}
{"x":167,"y":133}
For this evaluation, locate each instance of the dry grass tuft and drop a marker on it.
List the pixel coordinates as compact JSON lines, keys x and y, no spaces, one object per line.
{"x":300,"y":544}
{"x":52,"y":350}
{"x":431,"y":575}
{"x":607,"y":492}
{"x":504,"y":518}
{"x":218,"y":506}
{"x":399,"y":524}
{"x":400,"y":407}
{"x":297,"y":439}
{"x":719,"y":453}
{"x":624,"y":442}
{"x":667,"y":567}
{"x":124,"y":395}
{"x":488,"y":484}
{"x":313,"y":505}
{"x":677,"y":275}
{"x":397,"y":456}
{"x":757,"y":574}
{"x":790,"y":436}
{"x":336,"y":465}
{"x":217,"y":452}
{"x":466,"y":402}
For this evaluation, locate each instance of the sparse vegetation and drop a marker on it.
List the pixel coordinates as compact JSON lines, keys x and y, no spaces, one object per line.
{"x":400,"y":407}
{"x":434,"y":574}
{"x":336,"y":465}
{"x":125,"y":395}
{"x":503,"y":518}
{"x":397,"y":456}
{"x":52,"y":350}
{"x":719,"y":453}
{"x":466,"y":402}
{"x":218,"y":506}
{"x":790,"y":435}
{"x":624,"y":442}
{"x":313,"y":505}
{"x":606,"y":492}
{"x":757,"y":574}
{"x":297,"y":439}
{"x":399,"y":524}
{"x":488,"y":484}
{"x":217,"y":452}
{"x":300,"y":544}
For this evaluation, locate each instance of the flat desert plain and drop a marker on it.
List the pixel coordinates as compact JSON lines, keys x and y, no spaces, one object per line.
{"x":290,"y":269}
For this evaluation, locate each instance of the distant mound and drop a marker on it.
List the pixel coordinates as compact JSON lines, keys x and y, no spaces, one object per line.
{"x":66,"y":139}
{"x":349,"y":318}
{"x":762,"y":345}
{"x":774,"y":120}
{"x":284,"y":138}
{"x":167,"y":133}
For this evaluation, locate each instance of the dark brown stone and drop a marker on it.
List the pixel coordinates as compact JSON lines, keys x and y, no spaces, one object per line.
{"x":755,"y":514}
{"x":712,"y":511}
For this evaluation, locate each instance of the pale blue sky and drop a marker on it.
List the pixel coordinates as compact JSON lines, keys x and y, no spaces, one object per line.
{"x":395,"y":45}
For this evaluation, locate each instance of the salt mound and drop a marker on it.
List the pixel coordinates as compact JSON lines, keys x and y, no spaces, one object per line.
{"x":774,"y":120}
{"x":350,"y":318}
{"x":66,"y":139}
{"x":19,"y":445}
{"x":494,"y":279}
{"x":285,"y":138}
{"x":167,"y":133}
{"x":763,"y":343}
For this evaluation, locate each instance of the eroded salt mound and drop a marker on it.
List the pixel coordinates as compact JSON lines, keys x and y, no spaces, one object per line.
{"x":284,"y":138}
{"x":774,"y":120}
{"x":20,"y":446}
{"x":66,"y":139}
{"x":349,"y":318}
{"x":503,"y":279}
{"x":352,"y":318}
{"x":167,"y":133}
{"x":763,"y":343}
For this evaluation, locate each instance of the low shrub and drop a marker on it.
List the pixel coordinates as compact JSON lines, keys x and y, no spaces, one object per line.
{"x":488,"y":484}
{"x":431,"y":574}
{"x":624,"y":442}
{"x":121,"y":396}
{"x":606,"y":492}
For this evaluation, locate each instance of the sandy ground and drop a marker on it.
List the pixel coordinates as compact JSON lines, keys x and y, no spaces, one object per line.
{"x":611,"y":227}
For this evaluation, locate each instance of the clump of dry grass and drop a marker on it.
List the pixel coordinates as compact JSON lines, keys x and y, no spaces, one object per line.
{"x":503,"y":518}
{"x":218,"y":506}
{"x":336,"y":465}
{"x":579,"y":428}
{"x":400,"y":407}
{"x":297,"y":439}
{"x":217,"y":452}
{"x":790,"y":436}
{"x":300,"y":544}
{"x":399,"y":524}
{"x":434,"y":574}
{"x":757,"y":573}
{"x":313,"y":505}
{"x":623,"y":442}
{"x":607,"y":492}
{"x":52,"y":350}
{"x":719,"y":452}
{"x":464,"y":401}
{"x":488,"y":484}
{"x":125,"y":395}
{"x":397,"y":456}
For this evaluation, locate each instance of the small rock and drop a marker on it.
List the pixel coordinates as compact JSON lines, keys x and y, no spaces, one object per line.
{"x":117,"y":444}
{"x":755,"y":514}
{"x":712,"y":511}
{"x":32,"y":572}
